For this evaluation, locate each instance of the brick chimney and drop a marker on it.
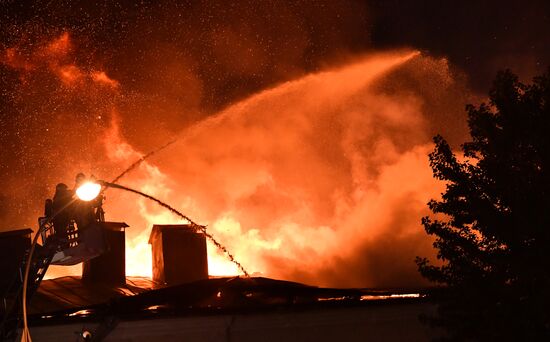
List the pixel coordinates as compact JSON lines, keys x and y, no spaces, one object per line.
{"x":179,"y":254}
{"x":110,"y":267}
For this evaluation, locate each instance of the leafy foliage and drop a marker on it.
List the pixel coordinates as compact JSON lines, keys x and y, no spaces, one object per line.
{"x":492,"y":223}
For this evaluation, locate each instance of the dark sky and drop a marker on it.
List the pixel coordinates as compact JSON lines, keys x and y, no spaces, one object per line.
{"x":230,"y":49}
{"x":478,"y":37}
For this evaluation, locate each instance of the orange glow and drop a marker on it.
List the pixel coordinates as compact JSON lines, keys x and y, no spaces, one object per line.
{"x":58,"y":46}
{"x":69,"y":73}
{"x":14,"y":59}
{"x":55,"y":56}
{"x":101,"y":77}
{"x":315,"y":180}
{"x":143,"y":215}
{"x":266,"y":204}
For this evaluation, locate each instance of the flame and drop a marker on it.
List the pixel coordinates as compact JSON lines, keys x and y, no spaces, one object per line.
{"x":235,"y":177}
{"x":297,"y":180}
{"x":218,"y":183}
{"x":151,"y":180}
{"x":321,"y":179}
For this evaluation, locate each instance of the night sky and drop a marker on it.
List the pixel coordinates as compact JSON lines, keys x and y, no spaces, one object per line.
{"x":479,"y":38}
{"x":178,"y":62}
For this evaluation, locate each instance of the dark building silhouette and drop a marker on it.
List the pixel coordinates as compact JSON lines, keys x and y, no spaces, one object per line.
{"x":179,"y":254}
{"x":13,"y":245}
{"x":110,"y":267}
{"x":182,"y":303}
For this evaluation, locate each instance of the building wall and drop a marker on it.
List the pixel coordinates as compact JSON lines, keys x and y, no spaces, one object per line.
{"x":379,"y":322}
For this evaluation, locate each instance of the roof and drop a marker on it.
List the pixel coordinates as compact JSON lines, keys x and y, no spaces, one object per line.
{"x":117,"y":226}
{"x":71,"y":292}
{"x":17,"y":232}
{"x":243,"y":309}
{"x":68,"y":298}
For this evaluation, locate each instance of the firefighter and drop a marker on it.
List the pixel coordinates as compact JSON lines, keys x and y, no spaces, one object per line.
{"x":61,"y":211}
{"x":83,"y":211}
{"x":89,"y":230}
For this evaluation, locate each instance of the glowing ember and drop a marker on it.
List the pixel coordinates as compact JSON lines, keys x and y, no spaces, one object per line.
{"x":80,"y":313}
{"x":391,"y":296}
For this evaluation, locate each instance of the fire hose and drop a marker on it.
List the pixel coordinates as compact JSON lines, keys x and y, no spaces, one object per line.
{"x":25,"y":336}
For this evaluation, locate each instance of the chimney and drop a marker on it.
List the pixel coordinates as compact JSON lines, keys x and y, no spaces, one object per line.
{"x":13,"y":245}
{"x":179,"y":254}
{"x":110,"y":267}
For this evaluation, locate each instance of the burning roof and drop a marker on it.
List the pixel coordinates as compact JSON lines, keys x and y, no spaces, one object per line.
{"x":62,"y":298}
{"x":247,"y":309}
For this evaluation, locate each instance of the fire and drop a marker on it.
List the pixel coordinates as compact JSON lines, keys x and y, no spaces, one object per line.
{"x":151,"y":180}
{"x":313,"y":180}
{"x":302,"y":177}
{"x":270,"y":215}
{"x":138,"y":256}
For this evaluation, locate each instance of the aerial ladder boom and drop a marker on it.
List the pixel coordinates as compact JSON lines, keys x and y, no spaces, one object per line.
{"x":37,"y":259}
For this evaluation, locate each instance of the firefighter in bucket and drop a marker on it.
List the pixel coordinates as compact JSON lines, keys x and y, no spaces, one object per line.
{"x":76,"y":217}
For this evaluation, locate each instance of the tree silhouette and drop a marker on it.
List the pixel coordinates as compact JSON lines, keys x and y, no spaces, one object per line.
{"x":492,"y":223}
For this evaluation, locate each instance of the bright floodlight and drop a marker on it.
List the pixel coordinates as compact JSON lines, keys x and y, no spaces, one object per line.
{"x":88,"y":191}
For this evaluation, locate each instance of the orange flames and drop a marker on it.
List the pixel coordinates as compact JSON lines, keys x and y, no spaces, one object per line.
{"x":143,"y":215}
{"x":322,"y":179}
{"x":282,"y":209}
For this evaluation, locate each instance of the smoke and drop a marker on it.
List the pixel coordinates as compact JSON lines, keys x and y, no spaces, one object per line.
{"x":54,"y":112}
{"x":304,"y":170}
{"x":321,"y":179}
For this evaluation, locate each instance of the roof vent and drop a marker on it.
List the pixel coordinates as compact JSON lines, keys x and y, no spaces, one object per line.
{"x":179,"y":254}
{"x":109,"y":267}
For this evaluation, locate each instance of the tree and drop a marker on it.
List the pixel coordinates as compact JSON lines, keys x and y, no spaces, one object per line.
{"x":492,"y":223}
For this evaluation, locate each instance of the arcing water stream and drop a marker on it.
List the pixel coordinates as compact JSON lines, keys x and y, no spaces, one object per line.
{"x":142,"y":159}
{"x":341,"y":91}
{"x":197,"y":227}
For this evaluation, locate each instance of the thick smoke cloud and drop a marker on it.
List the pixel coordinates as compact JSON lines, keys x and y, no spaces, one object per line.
{"x":322,"y":179}
{"x":54,"y":112}
{"x":313,"y":179}
{"x":177,"y":63}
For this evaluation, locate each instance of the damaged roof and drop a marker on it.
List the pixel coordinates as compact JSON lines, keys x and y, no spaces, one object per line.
{"x":68,"y":298}
{"x":70,"y":292}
